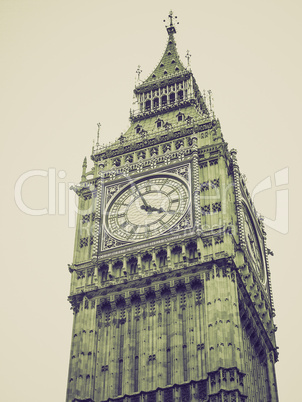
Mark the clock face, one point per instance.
(254, 248)
(147, 207)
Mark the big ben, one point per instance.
(170, 280)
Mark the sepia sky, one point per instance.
(67, 65)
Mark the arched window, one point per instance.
(148, 105)
(176, 252)
(172, 97)
(104, 271)
(180, 95)
(155, 103)
(117, 266)
(133, 265)
(164, 100)
(162, 256)
(146, 259)
(192, 247)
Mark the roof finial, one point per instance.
(98, 136)
(84, 167)
(138, 72)
(211, 103)
(171, 28)
(188, 56)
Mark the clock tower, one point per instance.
(170, 282)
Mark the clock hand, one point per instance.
(159, 210)
(146, 206)
(150, 209)
(154, 209)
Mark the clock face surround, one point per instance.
(147, 207)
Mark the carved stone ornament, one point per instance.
(110, 191)
(109, 242)
(185, 223)
(207, 242)
(182, 171)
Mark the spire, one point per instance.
(188, 56)
(84, 167)
(170, 63)
(170, 86)
(98, 135)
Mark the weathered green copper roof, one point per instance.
(170, 62)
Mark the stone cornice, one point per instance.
(146, 281)
(148, 142)
(162, 82)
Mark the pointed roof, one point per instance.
(169, 71)
(170, 63)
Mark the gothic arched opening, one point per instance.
(176, 254)
(180, 95)
(172, 97)
(146, 260)
(132, 265)
(103, 269)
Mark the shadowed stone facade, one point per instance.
(170, 282)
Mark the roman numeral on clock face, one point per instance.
(134, 229)
(165, 181)
(172, 191)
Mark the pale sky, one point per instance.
(67, 65)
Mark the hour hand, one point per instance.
(159, 210)
(149, 209)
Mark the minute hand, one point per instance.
(142, 197)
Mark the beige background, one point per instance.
(68, 64)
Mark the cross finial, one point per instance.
(188, 56)
(171, 28)
(138, 72)
(171, 17)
